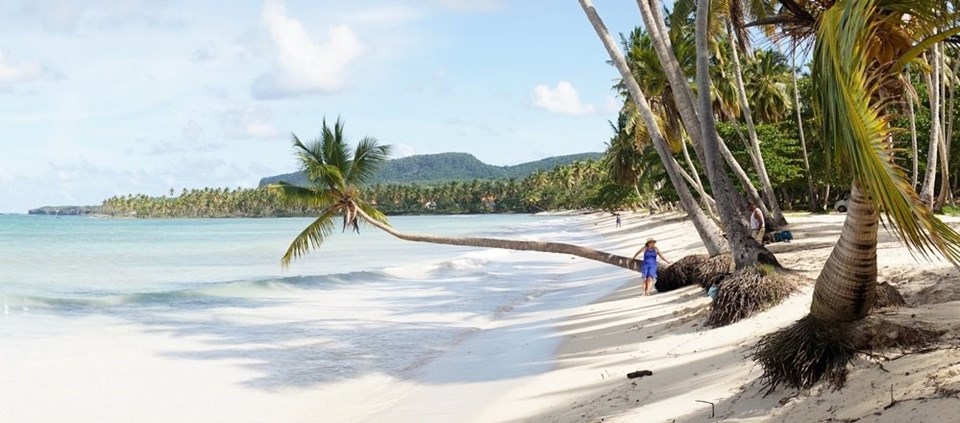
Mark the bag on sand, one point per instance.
(782, 236)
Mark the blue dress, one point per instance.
(649, 267)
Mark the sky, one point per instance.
(113, 97)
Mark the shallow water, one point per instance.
(364, 303)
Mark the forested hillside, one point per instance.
(447, 167)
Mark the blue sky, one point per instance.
(111, 97)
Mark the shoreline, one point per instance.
(624, 332)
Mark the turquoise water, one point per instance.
(370, 303)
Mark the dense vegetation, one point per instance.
(445, 167)
(580, 184)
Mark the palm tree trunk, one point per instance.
(693, 169)
(775, 213)
(946, 192)
(709, 233)
(541, 246)
(812, 204)
(683, 94)
(745, 249)
(926, 192)
(709, 204)
(745, 181)
(913, 134)
(847, 286)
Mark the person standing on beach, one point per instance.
(756, 221)
(648, 269)
(618, 219)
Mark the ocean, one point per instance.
(360, 305)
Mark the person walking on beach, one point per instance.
(756, 221)
(648, 269)
(618, 219)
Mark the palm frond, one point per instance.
(296, 195)
(336, 152)
(311, 237)
(857, 132)
(367, 159)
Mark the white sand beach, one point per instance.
(663, 333)
(554, 357)
(704, 374)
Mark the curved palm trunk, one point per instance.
(541, 246)
(710, 234)
(745, 249)
(775, 213)
(847, 285)
(683, 94)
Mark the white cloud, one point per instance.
(401, 150)
(562, 99)
(18, 72)
(469, 6)
(302, 65)
(69, 16)
(249, 122)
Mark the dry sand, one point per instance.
(704, 374)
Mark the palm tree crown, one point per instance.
(334, 172)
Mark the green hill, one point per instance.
(444, 167)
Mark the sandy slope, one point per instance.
(663, 333)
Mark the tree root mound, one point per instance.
(803, 354)
(812, 350)
(747, 292)
(680, 273)
(888, 296)
(713, 270)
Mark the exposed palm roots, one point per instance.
(812, 350)
(713, 270)
(746, 292)
(888, 296)
(679, 274)
(694, 269)
(803, 354)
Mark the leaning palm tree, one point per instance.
(861, 48)
(335, 174)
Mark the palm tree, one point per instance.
(861, 48)
(745, 250)
(709, 232)
(813, 204)
(335, 173)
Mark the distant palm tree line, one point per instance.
(581, 184)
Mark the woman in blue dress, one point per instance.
(648, 269)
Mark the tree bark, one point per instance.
(913, 134)
(812, 204)
(847, 286)
(709, 233)
(683, 94)
(775, 213)
(946, 192)
(929, 181)
(746, 251)
(541, 246)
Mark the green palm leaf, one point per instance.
(367, 159)
(857, 132)
(311, 237)
(302, 196)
